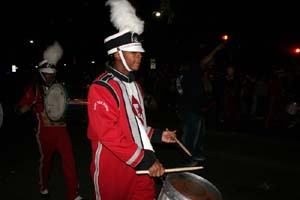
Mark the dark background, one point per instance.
(256, 29)
(250, 164)
(261, 35)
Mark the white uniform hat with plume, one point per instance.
(51, 56)
(124, 19)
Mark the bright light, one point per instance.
(297, 50)
(157, 14)
(14, 68)
(225, 37)
(31, 41)
(93, 62)
(65, 64)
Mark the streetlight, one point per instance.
(296, 50)
(225, 37)
(14, 68)
(157, 14)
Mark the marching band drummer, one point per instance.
(120, 137)
(51, 136)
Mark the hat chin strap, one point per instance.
(45, 80)
(43, 77)
(123, 60)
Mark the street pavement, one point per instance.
(243, 165)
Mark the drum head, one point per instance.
(56, 102)
(189, 186)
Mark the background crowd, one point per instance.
(237, 100)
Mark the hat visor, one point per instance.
(48, 70)
(133, 47)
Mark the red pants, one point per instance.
(114, 180)
(50, 140)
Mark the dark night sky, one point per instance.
(260, 35)
(82, 25)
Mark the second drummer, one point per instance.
(51, 136)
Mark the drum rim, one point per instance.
(174, 194)
(66, 104)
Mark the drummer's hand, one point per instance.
(156, 170)
(168, 136)
(23, 109)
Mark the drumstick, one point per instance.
(180, 169)
(78, 101)
(183, 147)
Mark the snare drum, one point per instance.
(188, 186)
(55, 102)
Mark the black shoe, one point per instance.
(80, 198)
(200, 158)
(190, 163)
(45, 194)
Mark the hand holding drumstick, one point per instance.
(170, 137)
(157, 170)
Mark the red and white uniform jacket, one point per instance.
(116, 119)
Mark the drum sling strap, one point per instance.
(36, 88)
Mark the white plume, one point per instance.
(53, 53)
(123, 16)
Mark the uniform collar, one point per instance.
(121, 76)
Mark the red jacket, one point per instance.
(112, 122)
(117, 146)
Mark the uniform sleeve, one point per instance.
(156, 135)
(104, 116)
(28, 97)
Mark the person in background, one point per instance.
(52, 136)
(232, 93)
(193, 102)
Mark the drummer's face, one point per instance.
(49, 77)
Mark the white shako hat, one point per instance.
(51, 56)
(125, 40)
(129, 27)
(46, 67)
